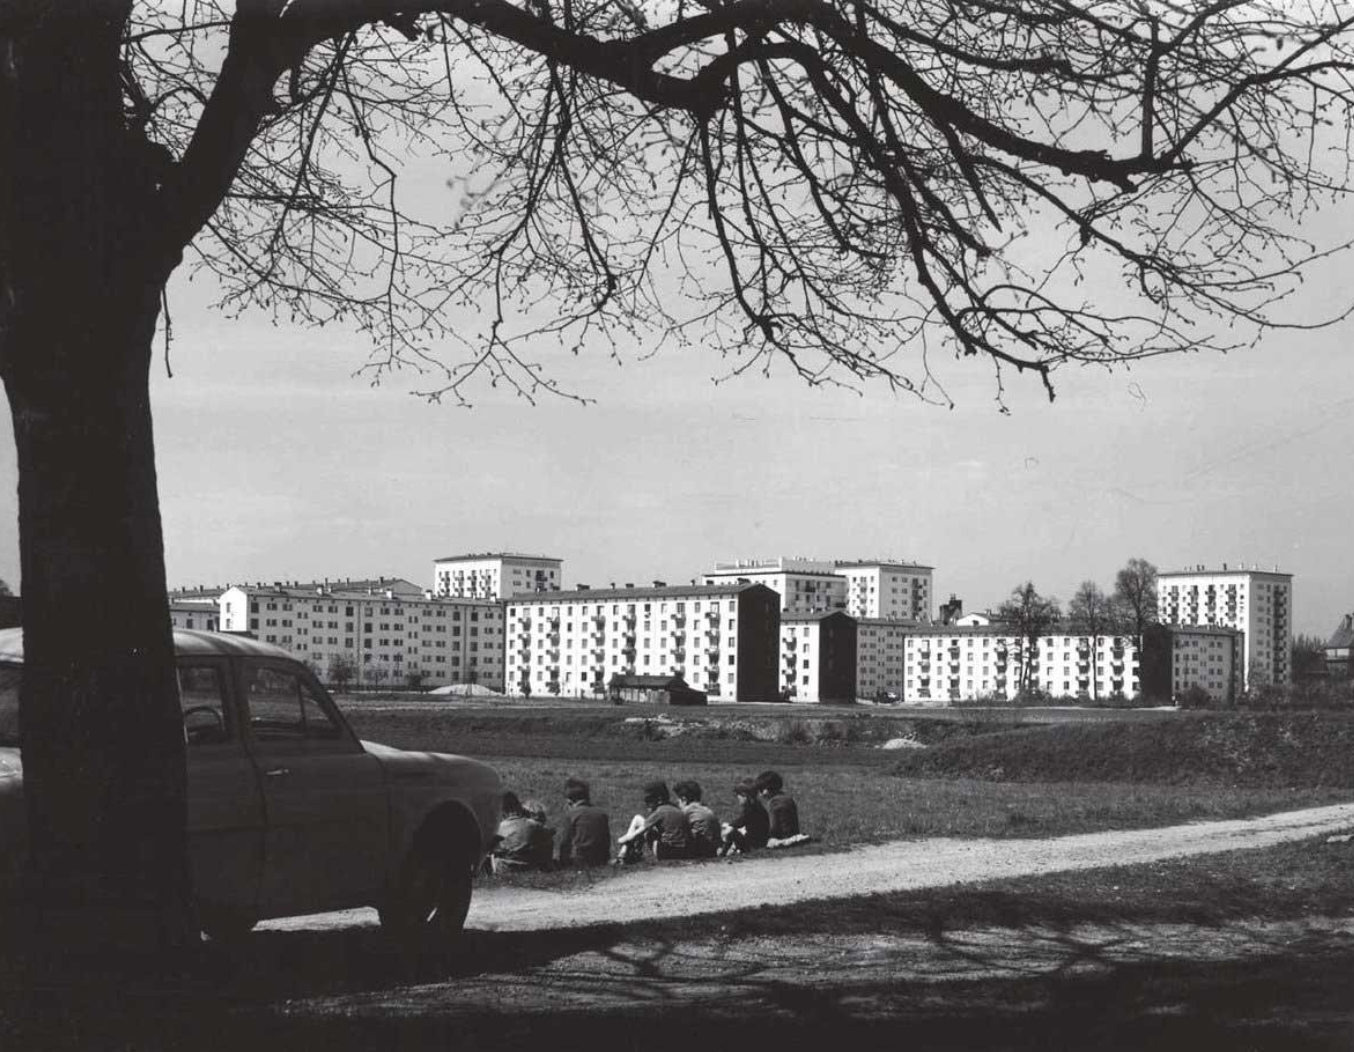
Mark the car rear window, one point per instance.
(10, 675)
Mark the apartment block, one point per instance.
(495, 575)
(1178, 659)
(881, 646)
(946, 663)
(389, 634)
(805, 586)
(887, 590)
(722, 639)
(818, 657)
(199, 615)
(1259, 603)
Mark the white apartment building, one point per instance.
(390, 635)
(881, 646)
(888, 590)
(805, 586)
(495, 575)
(944, 663)
(1257, 602)
(722, 639)
(818, 657)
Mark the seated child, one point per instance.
(524, 841)
(665, 829)
(705, 834)
(781, 810)
(587, 833)
(749, 830)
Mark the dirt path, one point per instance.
(780, 878)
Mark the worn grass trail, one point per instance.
(676, 890)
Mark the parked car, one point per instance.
(288, 811)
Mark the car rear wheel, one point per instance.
(428, 902)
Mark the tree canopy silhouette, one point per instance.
(841, 186)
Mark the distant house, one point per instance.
(1337, 649)
(654, 690)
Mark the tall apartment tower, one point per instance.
(889, 590)
(805, 586)
(1257, 602)
(495, 575)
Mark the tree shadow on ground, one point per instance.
(1024, 981)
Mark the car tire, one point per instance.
(427, 905)
(222, 924)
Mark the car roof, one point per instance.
(186, 644)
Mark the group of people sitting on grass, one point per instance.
(688, 829)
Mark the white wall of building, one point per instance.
(571, 643)
(893, 591)
(805, 586)
(495, 575)
(387, 636)
(1257, 602)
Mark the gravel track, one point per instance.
(780, 878)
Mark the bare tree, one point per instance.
(342, 671)
(839, 187)
(1135, 592)
(1091, 612)
(1033, 616)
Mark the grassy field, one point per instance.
(1256, 750)
(975, 774)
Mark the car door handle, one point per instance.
(277, 772)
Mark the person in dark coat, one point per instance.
(587, 831)
(780, 806)
(750, 829)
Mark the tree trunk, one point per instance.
(102, 738)
(80, 289)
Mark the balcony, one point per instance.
(679, 619)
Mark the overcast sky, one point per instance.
(276, 463)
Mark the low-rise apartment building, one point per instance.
(198, 615)
(945, 663)
(495, 575)
(881, 646)
(386, 634)
(1259, 603)
(722, 639)
(818, 657)
(1179, 659)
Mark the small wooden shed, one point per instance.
(654, 690)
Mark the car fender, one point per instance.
(424, 787)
